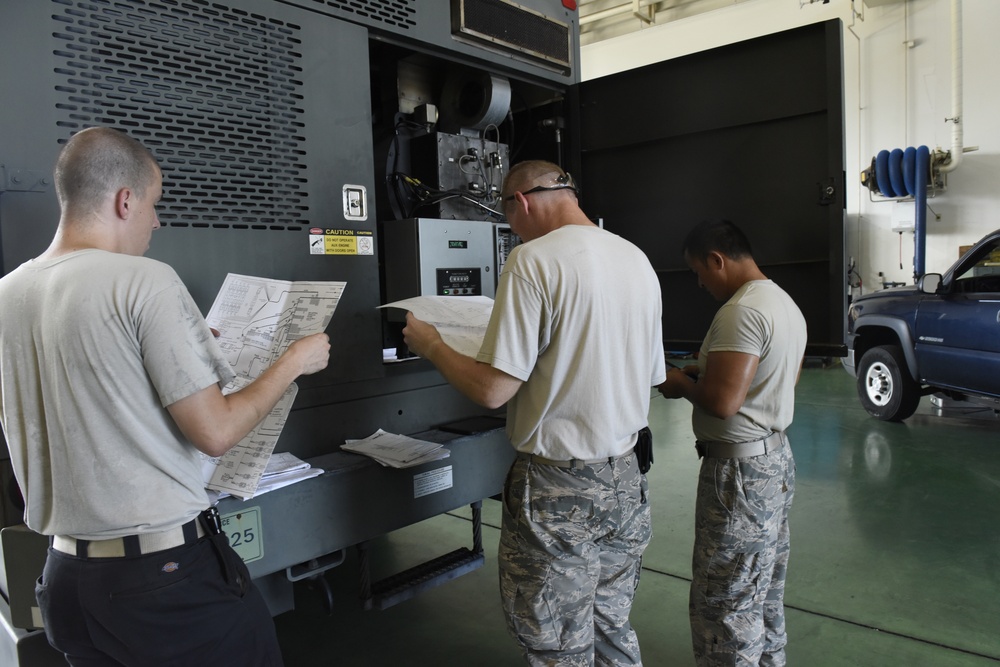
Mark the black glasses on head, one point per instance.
(543, 188)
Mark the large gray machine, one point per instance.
(287, 133)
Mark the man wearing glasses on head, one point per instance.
(572, 348)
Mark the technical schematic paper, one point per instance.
(238, 471)
(461, 320)
(257, 319)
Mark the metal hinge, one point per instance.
(24, 180)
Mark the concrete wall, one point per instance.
(897, 85)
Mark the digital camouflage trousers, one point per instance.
(570, 553)
(740, 559)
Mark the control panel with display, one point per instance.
(459, 282)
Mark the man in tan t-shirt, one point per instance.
(573, 346)
(743, 392)
(110, 393)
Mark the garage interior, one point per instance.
(894, 552)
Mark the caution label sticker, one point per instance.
(341, 242)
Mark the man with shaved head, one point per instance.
(572, 348)
(109, 393)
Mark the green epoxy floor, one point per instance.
(895, 553)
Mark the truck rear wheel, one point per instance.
(884, 385)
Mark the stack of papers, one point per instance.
(397, 451)
(281, 470)
(284, 469)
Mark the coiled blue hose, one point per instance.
(897, 171)
(900, 173)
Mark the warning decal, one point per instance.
(340, 242)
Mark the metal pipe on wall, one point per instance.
(956, 88)
(899, 174)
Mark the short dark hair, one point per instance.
(721, 236)
(97, 161)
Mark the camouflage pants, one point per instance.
(571, 547)
(740, 558)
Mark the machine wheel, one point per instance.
(884, 385)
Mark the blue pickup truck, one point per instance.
(940, 336)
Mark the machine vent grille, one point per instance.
(215, 93)
(398, 13)
(509, 27)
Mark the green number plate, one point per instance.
(245, 535)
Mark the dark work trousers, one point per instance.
(188, 606)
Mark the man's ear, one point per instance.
(522, 201)
(715, 260)
(123, 203)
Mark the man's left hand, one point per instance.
(678, 384)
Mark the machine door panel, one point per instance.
(751, 132)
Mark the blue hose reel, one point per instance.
(898, 174)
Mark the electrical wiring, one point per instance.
(485, 164)
(487, 185)
(854, 277)
(394, 185)
(461, 165)
(421, 195)
(491, 174)
(491, 186)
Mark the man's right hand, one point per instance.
(419, 336)
(311, 352)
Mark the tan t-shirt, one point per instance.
(577, 318)
(93, 346)
(761, 320)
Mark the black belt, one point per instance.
(207, 523)
(571, 463)
(739, 450)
